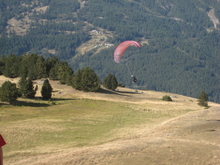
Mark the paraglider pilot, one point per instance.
(134, 80)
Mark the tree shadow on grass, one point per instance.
(53, 99)
(121, 93)
(30, 104)
(36, 102)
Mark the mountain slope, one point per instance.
(180, 39)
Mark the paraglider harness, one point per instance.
(134, 80)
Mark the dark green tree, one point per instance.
(46, 90)
(8, 91)
(2, 64)
(26, 88)
(12, 66)
(110, 82)
(50, 63)
(65, 73)
(62, 72)
(76, 83)
(203, 99)
(30, 90)
(22, 85)
(53, 74)
(86, 80)
(40, 68)
(32, 66)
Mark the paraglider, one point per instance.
(119, 51)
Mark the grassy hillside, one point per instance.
(75, 123)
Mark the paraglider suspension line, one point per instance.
(129, 69)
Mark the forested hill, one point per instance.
(180, 39)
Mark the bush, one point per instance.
(167, 98)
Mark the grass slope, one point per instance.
(123, 127)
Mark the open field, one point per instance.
(122, 127)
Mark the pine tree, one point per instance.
(22, 86)
(76, 83)
(2, 64)
(8, 91)
(30, 89)
(53, 74)
(86, 80)
(46, 90)
(11, 66)
(41, 67)
(26, 87)
(50, 63)
(64, 72)
(110, 82)
(203, 99)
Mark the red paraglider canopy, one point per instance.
(120, 49)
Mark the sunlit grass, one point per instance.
(36, 126)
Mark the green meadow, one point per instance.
(34, 126)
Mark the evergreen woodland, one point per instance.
(180, 42)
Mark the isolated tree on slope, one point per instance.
(46, 90)
(203, 99)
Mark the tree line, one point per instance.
(30, 67)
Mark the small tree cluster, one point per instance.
(110, 82)
(86, 80)
(203, 99)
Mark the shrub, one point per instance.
(167, 98)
